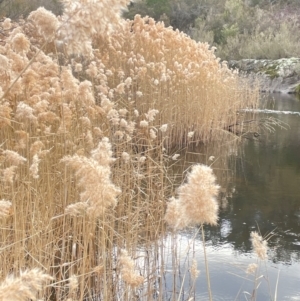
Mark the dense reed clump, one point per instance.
(86, 116)
(166, 70)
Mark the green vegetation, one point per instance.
(271, 71)
(297, 90)
(239, 29)
(258, 29)
(16, 8)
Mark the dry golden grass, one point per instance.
(86, 142)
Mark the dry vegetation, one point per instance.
(91, 109)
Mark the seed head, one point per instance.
(259, 245)
(5, 208)
(45, 21)
(196, 203)
(129, 276)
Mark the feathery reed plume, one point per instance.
(73, 284)
(93, 175)
(25, 113)
(251, 269)
(9, 174)
(99, 17)
(196, 203)
(77, 209)
(34, 167)
(151, 114)
(5, 110)
(6, 24)
(163, 128)
(174, 215)
(175, 157)
(13, 157)
(194, 271)
(46, 22)
(125, 156)
(5, 208)
(259, 245)
(24, 287)
(5, 64)
(103, 153)
(20, 43)
(144, 123)
(191, 134)
(36, 147)
(129, 276)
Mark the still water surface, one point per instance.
(265, 198)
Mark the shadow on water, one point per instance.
(263, 196)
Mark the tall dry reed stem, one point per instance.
(196, 204)
(206, 265)
(260, 248)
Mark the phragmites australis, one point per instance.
(142, 82)
(6, 25)
(13, 157)
(25, 113)
(82, 19)
(164, 128)
(194, 270)
(129, 276)
(252, 268)
(8, 174)
(45, 22)
(196, 202)
(93, 179)
(5, 109)
(259, 245)
(73, 284)
(20, 43)
(24, 287)
(34, 167)
(5, 208)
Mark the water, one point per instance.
(265, 198)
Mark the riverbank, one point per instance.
(275, 76)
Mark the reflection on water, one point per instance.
(265, 197)
(229, 280)
(268, 187)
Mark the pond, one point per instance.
(265, 198)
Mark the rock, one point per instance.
(281, 75)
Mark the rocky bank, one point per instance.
(282, 76)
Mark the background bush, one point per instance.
(260, 29)
(15, 8)
(238, 28)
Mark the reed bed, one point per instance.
(92, 108)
